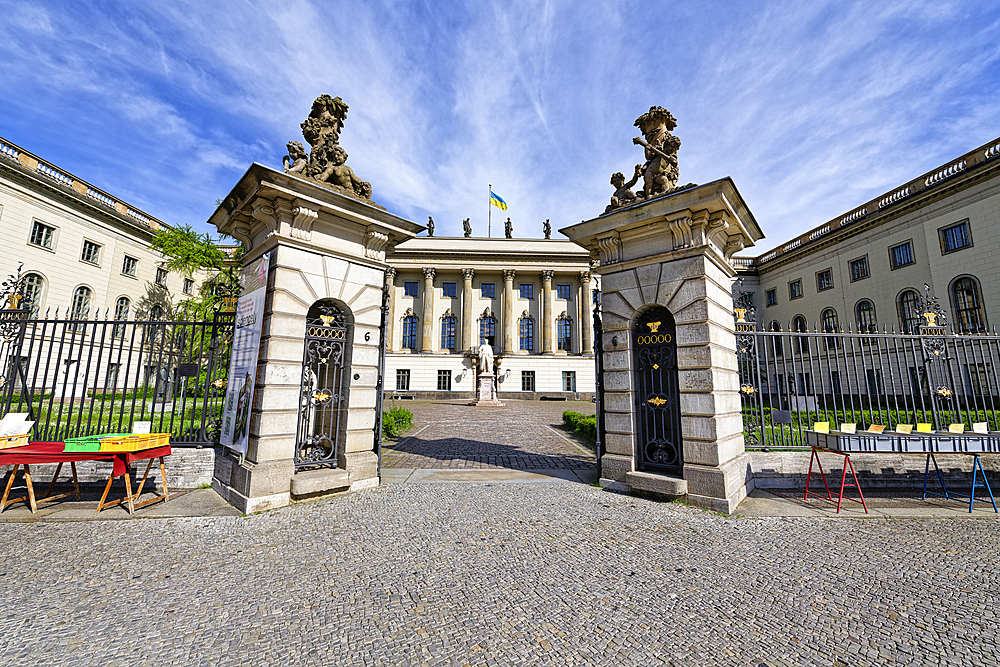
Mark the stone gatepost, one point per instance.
(673, 252)
(324, 246)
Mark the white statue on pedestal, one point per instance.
(485, 358)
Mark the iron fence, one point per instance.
(791, 377)
(78, 377)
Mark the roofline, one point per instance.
(934, 178)
(59, 180)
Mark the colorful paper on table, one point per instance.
(924, 428)
(980, 427)
(956, 428)
(904, 428)
(141, 427)
(821, 427)
(876, 428)
(849, 428)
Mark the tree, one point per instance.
(187, 252)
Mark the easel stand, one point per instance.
(843, 478)
(977, 470)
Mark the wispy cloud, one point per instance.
(812, 108)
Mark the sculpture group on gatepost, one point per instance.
(326, 163)
(660, 172)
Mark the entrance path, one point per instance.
(523, 435)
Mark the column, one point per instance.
(427, 335)
(586, 320)
(390, 280)
(468, 340)
(509, 346)
(547, 316)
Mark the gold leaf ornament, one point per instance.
(654, 326)
(657, 401)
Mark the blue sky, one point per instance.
(813, 108)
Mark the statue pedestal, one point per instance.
(486, 391)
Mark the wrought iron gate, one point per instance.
(322, 399)
(658, 412)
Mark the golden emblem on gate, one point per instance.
(326, 319)
(931, 319)
(653, 326)
(656, 367)
(320, 396)
(657, 401)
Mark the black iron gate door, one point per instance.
(658, 415)
(322, 399)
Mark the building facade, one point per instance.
(530, 299)
(868, 267)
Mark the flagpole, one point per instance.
(489, 212)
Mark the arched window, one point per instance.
(410, 332)
(865, 313)
(122, 307)
(968, 305)
(80, 308)
(526, 330)
(908, 305)
(799, 325)
(831, 325)
(488, 330)
(776, 340)
(33, 284)
(448, 332)
(156, 313)
(564, 334)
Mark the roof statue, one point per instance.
(467, 228)
(547, 229)
(430, 226)
(660, 171)
(508, 229)
(327, 161)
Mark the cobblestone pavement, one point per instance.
(522, 435)
(452, 574)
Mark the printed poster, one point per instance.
(243, 363)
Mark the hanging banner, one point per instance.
(243, 363)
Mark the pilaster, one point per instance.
(548, 316)
(468, 320)
(509, 346)
(427, 329)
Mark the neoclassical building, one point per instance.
(531, 299)
(868, 267)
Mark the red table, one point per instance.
(52, 452)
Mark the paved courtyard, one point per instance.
(522, 435)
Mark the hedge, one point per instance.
(395, 421)
(586, 425)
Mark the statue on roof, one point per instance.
(508, 228)
(660, 172)
(430, 226)
(326, 163)
(547, 229)
(467, 228)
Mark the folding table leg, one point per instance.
(31, 488)
(163, 475)
(76, 482)
(10, 483)
(128, 490)
(107, 487)
(937, 471)
(52, 484)
(857, 485)
(142, 482)
(977, 468)
(822, 475)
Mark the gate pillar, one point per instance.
(323, 246)
(673, 253)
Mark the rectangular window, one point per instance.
(41, 235)
(449, 290)
(564, 335)
(562, 292)
(859, 268)
(527, 380)
(901, 255)
(824, 280)
(804, 383)
(771, 297)
(112, 381)
(527, 290)
(129, 266)
(161, 277)
(402, 379)
(488, 290)
(410, 289)
(977, 378)
(795, 289)
(444, 380)
(448, 333)
(873, 381)
(569, 380)
(188, 286)
(526, 331)
(835, 382)
(91, 253)
(955, 237)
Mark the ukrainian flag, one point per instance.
(497, 201)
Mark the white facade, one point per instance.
(447, 294)
(942, 229)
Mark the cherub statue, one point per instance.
(338, 173)
(508, 229)
(547, 229)
(430, 226)
(660, 173)
(485, 358)
(467, 227)
(297, 160)
(623, 195)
